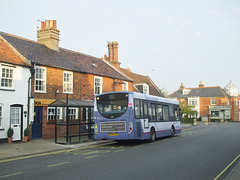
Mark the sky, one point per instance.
(172, 41)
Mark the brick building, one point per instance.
(60, 72)
(214, 102)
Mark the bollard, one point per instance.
(195, 122)
(206, 123)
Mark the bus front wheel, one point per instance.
(152, 135)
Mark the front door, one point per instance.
(16, 119)
(37, 124)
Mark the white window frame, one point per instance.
(100, 85)
(8, 79)
(145, 89)
(43, 79)
(71, 114)
(125, 86)
(59, 113)
(68, 82)
(1, 115)
(212, 101)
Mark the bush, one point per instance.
(10, 132)
(26, 132)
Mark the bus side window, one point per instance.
(171, 112)
(159, 113)
(141, 108)
(145, 110)
(149, 112)
(177, 113)
(165, 113)
(137, 109)
(153, 112)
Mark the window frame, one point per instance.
(1, 115)
(43, 79)
(54, 113)
(125, 86)
(8, 79)
(212, 103)
(66, 83)
(100, 87)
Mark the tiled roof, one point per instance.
(200, 92)
(140, 79)
(7, 55)
(65, 59)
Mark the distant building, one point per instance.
(214, 102)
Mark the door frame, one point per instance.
(21, 119)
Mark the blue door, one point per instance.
(37, 124)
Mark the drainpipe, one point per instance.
(32, 70)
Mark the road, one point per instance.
(201, 152)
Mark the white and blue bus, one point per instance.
(135, 116)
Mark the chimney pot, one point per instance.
(201, 84)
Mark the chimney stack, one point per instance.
(201, 84)
(113, 54)
(182, 86)
(49, 34)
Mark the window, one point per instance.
(215, 114)
(137, 108)
(236, 102)
(125, 86)
(7, 77)
(213, 101)
(67, 82)
(145, 89)
(72, 112)
(159, 113)
(153, 112)
(40, 79)
(165, 113)
(236, 113)
(97, 85)
(52, 113)
(193, 101)
(149, 112)
(145, 110)
(1, 116)
(171, 111)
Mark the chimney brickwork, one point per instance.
(113, 54)
(49, 34)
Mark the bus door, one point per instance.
(145, 115)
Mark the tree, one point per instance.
(186, 109)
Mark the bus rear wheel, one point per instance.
(172, 131)
(152, 135)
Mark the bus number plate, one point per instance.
(113, 134)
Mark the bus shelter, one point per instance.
(73, 121)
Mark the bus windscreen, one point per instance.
(112, 105)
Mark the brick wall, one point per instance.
(83, 89)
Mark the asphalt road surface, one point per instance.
(201, 152)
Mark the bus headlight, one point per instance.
(96, 129)
(130, 128)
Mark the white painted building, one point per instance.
(14, 77)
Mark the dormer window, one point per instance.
(142, 88)
(186, 91)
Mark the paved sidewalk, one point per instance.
(39, 146)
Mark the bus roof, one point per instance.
(145, 96)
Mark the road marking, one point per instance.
(227, 167)
(137, 146)
(58, 164)
(89, 157)
(14, 174)
(119, 150)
